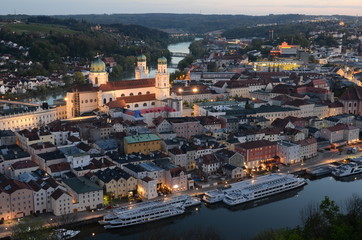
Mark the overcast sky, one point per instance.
(249, 7)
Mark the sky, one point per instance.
(248, 7)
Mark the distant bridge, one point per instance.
(172, 65)
(20, 103)
(178, 54)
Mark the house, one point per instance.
(85, 193)
(209, 164)
(143, 143)
(61, 202)
(352, 100)
(20, 201)
(288, 152)
(341, 132)
(116, 182)
(257, 152)
(230, 157)
(232, 171)
(308, 148)
(147, 188)
(7, 137)
(21, 167)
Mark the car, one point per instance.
(109, 207)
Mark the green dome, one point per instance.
(98, 66)
(141, 58)
(162, 60)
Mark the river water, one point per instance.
(239, 222)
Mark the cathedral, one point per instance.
(142, 96)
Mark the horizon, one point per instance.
(204, 7)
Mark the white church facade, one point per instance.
(143, 94)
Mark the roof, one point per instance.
(10, 186)
(108, 174)
(141, 138)
(51, 155)
(128, 84)
(306, 142)
(121, 101)
(147, 179)
(257, 144)
(82, 185)
(24, 164)
(59, 167)
(352, 94)
(58, 193)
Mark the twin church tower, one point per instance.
(137, 94)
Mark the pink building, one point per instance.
(186, 126)
(16, 199)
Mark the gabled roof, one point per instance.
(82, 185)
(58, 193)
(128, 84)
(352, 94)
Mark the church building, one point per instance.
(142, 95)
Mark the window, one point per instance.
(139, 93)
(122, 95)
(136, 105)
(145, 104)
(104, 101)
(131, 94)
(148, 92)
(153, 103)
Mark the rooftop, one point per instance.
(141, 138)
(82, 185)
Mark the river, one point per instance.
(240, 222)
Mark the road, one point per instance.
(51, 220)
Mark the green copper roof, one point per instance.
(162, 60)
(98, 66)
(82, 185)
(141, 138)
(141, 58)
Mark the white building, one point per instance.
(288, 152)
(85, 194)
(147, 188)
(61, 202)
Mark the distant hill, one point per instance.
(193, 23)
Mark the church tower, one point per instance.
(162, 80)
(98, 74)
(141, 70)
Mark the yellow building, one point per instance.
(142, 143)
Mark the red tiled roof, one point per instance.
(257, 144)
(24, 164)
(306, 142)
(128, 84)
(352, 94)
(59, 167)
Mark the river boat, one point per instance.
(347, 169)
(63, 234)
(185, 199)
(262, 187)
(143, 215)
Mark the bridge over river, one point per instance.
(178, 54)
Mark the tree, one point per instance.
(340, 150)
(32, 230)
(79, 78)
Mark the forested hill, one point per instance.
(51, 40)
(193, 23)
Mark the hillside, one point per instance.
(193, 23)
